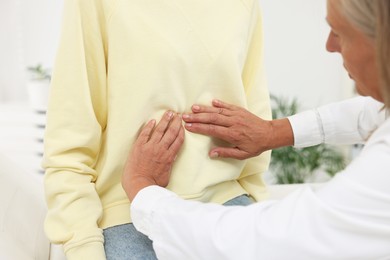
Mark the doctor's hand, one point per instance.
(248, 134)
(154, 152)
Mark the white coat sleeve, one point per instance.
(329, 225)
(349, 218)
(347, 122)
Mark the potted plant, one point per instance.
(298, 165)
(38, 87)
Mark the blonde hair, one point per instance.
(372, 17)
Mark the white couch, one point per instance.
(22, 212)
(23, 209)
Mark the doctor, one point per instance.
(349, 218)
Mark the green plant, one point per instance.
(39, 73)
(295, 165)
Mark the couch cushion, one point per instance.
(22, 212)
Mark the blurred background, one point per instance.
(297, 65)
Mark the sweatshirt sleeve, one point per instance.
(76, 120)
(258, 102)
(346, 122)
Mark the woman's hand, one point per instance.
(249, 134)
(153, 154)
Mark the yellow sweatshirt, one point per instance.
(121, 63)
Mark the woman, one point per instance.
(119, 63)
(349, 218)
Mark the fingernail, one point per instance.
(186, 116)
(169, 114)
(188, 125)
(196, 107)
(214, 155)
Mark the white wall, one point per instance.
(295, 33)
(297, 63)
(29, 31)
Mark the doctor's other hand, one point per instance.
(153, 154)
(248, 134)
